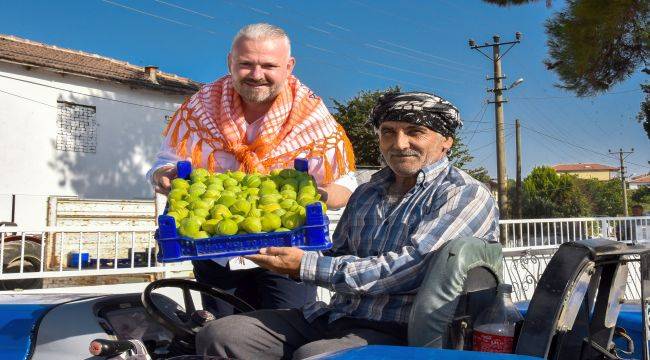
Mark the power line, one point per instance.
(566, 142)
(158, 17)
(396, 16)
(268, 14)
(185, 9)
(578, 97)
(26, 98)
(582, 147)
(426, 54)
(365, 44)
(560, 107)
(84, 94)
(490, 143)
(479, 121)
(347, 39)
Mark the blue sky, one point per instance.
(346, 46)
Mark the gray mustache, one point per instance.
(404, 153)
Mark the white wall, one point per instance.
(128, 138)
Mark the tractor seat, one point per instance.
(461, 280)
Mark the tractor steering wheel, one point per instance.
(186, 330)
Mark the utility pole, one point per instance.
(518, 192)
(498, 111)
(621, 158)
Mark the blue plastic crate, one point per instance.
(73, 259)
(314, 235)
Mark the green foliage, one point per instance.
(480, 174)
(603, 197)
(547, 194)
(640, 196)
(353, 116)
(596, 44)
(644, 113)
(459, 155)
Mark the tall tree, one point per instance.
(641, 196)
(547, 195)
(353, 116)
(596, 44)
(603, 197)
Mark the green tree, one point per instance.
(596, 44)
(353, 116)
(481, 174)
(548, 195)
(641, 196)
(603, 197)
(644, 113)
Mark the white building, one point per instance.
(639, 181)
(77, 124)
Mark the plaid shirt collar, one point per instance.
(382, 179)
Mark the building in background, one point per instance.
(639, 181)
(77, 124)
(588, 170)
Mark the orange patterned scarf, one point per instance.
(297, 123)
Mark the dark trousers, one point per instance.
(285, 334)
(261, 288)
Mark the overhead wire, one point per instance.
(158, 16)
(560, 108)
(346, 55)
(264, 13)
(485, 104)
(26, 98)
(84, 94)
(609, 156)
(576, 96)
(364, 43)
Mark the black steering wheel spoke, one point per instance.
(189, 303)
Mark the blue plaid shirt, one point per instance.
(376, 264)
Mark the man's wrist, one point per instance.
(156, 173)
(323, 194)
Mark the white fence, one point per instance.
(528, 233)
(50, 252)
(62, 251)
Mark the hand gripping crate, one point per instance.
(313, 235)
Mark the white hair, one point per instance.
(261, 31)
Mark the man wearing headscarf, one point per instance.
(409, 209)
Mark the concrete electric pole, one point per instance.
(621, 158)
(518, 190)
(498, 111)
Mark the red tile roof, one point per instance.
(60, 60)
(583, 167)
(640, 179)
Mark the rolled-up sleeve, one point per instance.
(167, 155)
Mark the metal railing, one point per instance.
(526, 233)
(51, 251)
(523, 269)
(58, 251)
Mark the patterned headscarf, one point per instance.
(417, 108)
